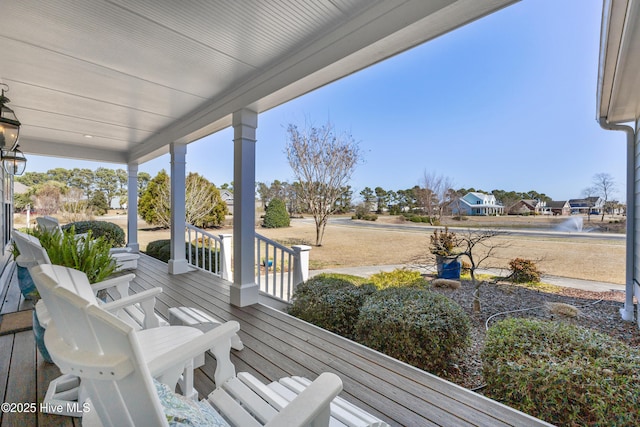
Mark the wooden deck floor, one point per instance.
(276, 345)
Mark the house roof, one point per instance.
(118, 81)
(557, 204)
(618, 92)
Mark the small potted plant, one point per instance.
(444, 244)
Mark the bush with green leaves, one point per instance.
(276, 215)
(400, 277)
(159, 249)
(88, 254)
(563, 374)
(524, 271)
(331, 302)
(98, 203)
(417, 326)
(363, 213)
(202, 257)
(110, 231)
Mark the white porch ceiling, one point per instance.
(619, 76)
(138, 75)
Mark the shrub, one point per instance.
(276, 215)
(110, 231)
(160, 249)
(524, 271)
(443, 242)
(331, 302)
(398, 277)
(206, 259)
(363, 213)
(563, 374)
(417, 326)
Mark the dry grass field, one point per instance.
(348, 246)
(351, 246)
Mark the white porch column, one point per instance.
(178, 262)
(244, 290)
(132, 207)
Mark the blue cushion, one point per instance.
(184, 412)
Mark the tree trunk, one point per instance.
(476, 297)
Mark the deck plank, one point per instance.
(21, 382)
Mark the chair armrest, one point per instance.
(121, 283)
(217, 340)
(312, 406)
(131, 299)
(124, 250)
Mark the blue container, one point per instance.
(38, 332)
(451, 270)
(27, 287)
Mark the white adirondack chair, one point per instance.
(124, 258)
(109, 357)
(137, 310)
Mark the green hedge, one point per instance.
(161, 249)
(110, 231)
(563, 374)
(417, 326)
(331, 302)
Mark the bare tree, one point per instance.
(478, 247)
(435, 194)
(75, 208)
(322, 162)
(604, 186)
(48, 198)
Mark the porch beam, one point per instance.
(178, 262)
(132, 207)
(244, 290)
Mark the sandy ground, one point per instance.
(349, 246)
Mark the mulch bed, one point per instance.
(599, 311)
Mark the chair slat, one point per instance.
(232, 410)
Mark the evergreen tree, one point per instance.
(276, 215)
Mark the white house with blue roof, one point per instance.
(477, 203)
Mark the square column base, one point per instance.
(244, 295)
(179, 266)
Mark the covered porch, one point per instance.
(276, 345)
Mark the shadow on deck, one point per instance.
(276, 345)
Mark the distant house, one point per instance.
(475, 203)
(594, 205)
(527, 207)
(227, 197)
(557, 207)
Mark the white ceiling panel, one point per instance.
(140, 74)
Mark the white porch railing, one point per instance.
(280, 269)
(209, 252)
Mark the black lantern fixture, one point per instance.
(9, 124)
(14, 162)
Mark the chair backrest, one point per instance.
(102, 350)
(48, 223)
(30, 248)
(48, 276)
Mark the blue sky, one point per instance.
(506, 102)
